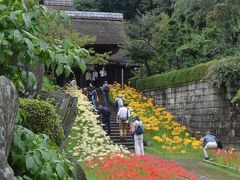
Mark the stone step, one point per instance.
(115, 135)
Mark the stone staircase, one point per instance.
(115, 135)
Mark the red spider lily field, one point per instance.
(147, 167)
(227, 158)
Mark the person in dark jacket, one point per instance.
(106, 114)
(94, 97)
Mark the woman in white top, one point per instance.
(103, 75)
(138, 135)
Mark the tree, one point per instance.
(86, 5)
(23, 43)
(193, 12)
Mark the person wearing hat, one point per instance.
(137, 129)
(105, 90)
(119, 101)
(123, 120)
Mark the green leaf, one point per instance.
(30, 163)
(45, 155)
(29, 44)
(9, 52)
(59, 70)
(81, 64)
(1, 37)
(31, 36)
(32, 80)
(27, 20)
(17, 35)
(67, 70)
(60, 170)
(2, 7)
(67, 44)
(37, 157)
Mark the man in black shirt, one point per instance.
(106, 113)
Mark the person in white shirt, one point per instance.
(123, 116)
(119, 101)
(138, 135)
(103, 75)
(94, 77)
(88, 77)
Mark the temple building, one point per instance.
(109, 31)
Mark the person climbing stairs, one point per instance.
(115, 134)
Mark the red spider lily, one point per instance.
(146, 167)
(229, 158)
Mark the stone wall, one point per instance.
(200, 106)
(8, 113)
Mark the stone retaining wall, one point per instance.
(200, 106)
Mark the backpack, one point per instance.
(219, 144)
(139, 130)
(105, 89)
(123, 118)
(116, 104)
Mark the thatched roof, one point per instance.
(105, 31)
(120, 59)
(108, 28)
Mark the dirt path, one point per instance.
(205, 171)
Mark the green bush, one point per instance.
(132, 81)
(236, 98)
(41, 117)
(34, 157)
(226, 72)
(175, 77)
(48, 85)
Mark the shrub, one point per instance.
(175, 77)
(48, 85)
(41, 117)
(226, 72)
(236, 98)
(34, 157)
(132, 81)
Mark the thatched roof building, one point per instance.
(108, 28)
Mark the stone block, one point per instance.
(66, 108)
(8, 112)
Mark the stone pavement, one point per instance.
(205, 171)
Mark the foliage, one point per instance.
(86, 5)
(88, 139)
(41, 117)
(24, 44)
(64, 32)
(48, 85)
(174, 77)
(193, 12)
(226, 72)
(236, 98)
(132, 81)
(129, 8)
(114, 166)
(34, 157)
